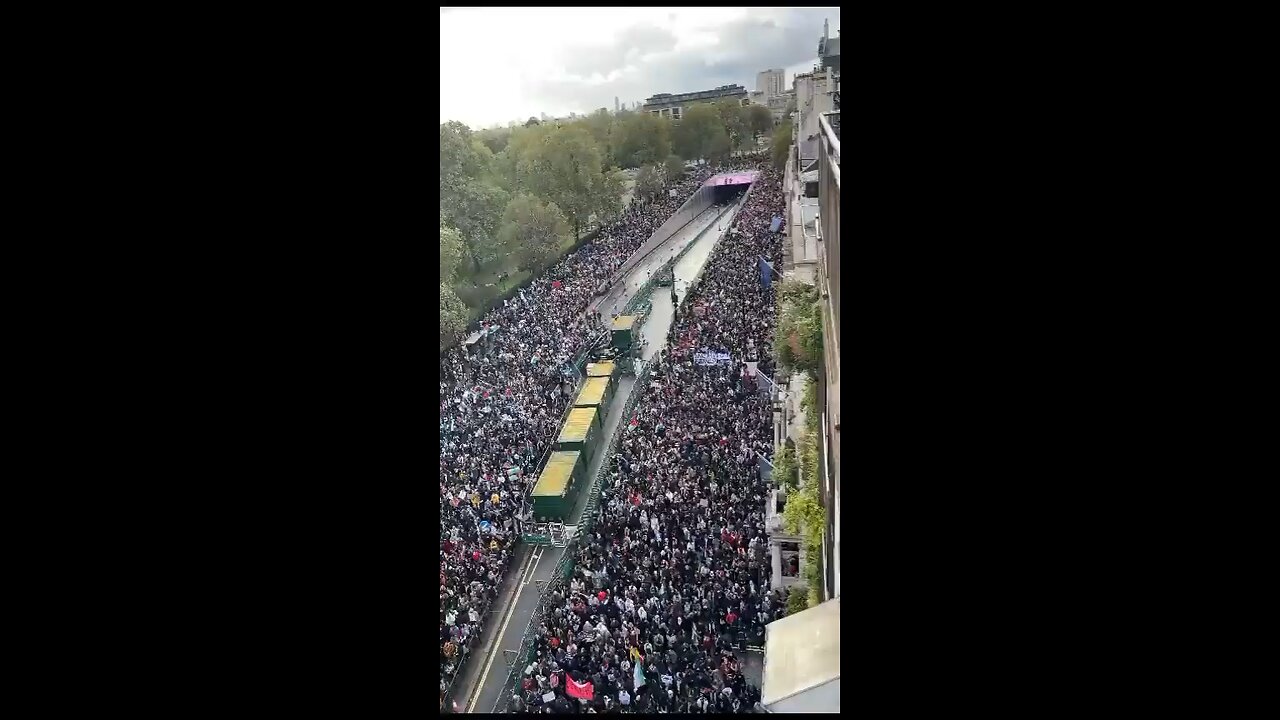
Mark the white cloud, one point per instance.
(500, 64)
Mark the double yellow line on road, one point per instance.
(526, 576)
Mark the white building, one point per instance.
(814, 96)
(771, 82)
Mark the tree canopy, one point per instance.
(648, 182)
(781, 144)
(565, 178)
(674, 168)
(758, 120)
(532, 231)
(451, 250)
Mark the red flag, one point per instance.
(579, 690)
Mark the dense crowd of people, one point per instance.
(500, 401)
(675, 574)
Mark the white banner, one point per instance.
(711, 358)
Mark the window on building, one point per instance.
(790, 559)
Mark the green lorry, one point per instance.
(581, 432)
(596, 392)
(558, 486)
(623, 333)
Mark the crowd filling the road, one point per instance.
(500, 402)
(675, 574)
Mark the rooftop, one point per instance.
(722, 91)
(555, 476)
(802, 653)
(592, 392)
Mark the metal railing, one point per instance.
(833, 144)
(524, 652)
(698, 202)
(641, 296)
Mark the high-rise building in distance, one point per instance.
(771, 82)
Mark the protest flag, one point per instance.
(582, 691)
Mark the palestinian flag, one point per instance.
(579, 690)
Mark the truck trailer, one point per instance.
(581, 432)
(558, 486)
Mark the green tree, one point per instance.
(641, 139)
(495, 139)
(648, 183)
(458, 161)
(451, 249)
(475, 208)
(600, 125)
(694, 137)
(453, 315)
(566, 170)
(673, 168)
(607, 196)
(531, 121)
(470, 201)
(733, 122)
(758, 120)
(510, 167)
(532, 231)
(781, 144)
(719, 147)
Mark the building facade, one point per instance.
(814, 96)
(674, 106)
(829, 49)
(828, 404)
(811, 186)
(771, 82)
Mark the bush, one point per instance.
(784, 468)
(798, 336)
(813, 576)
(797, 601)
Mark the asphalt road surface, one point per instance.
(512, 626)
(622, 291)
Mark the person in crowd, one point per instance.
(673, 579)
(500, 402)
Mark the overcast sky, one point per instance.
(501, 64)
